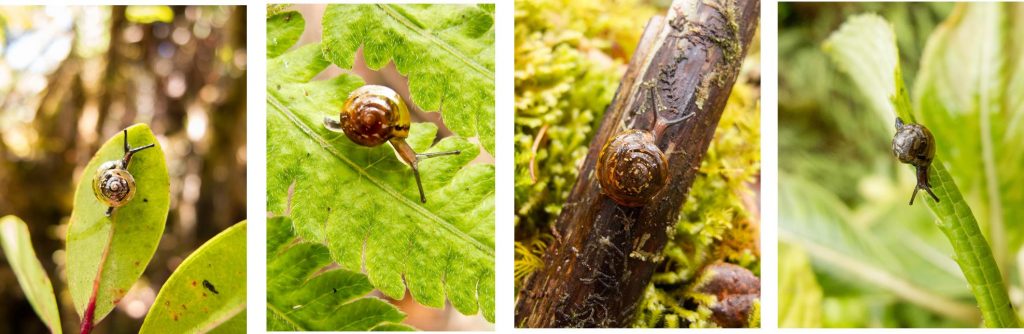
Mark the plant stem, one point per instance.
(956, 220)
(972, 251)
(90, 309)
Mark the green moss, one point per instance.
(569, 57)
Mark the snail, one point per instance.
(913, 144)
(375, 114)
(631, 168)
(113, 185)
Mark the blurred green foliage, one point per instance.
(843, 197)
(570, 56)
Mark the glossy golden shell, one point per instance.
(113, 185)
(373, 114)
(913, 144)
(631, 168)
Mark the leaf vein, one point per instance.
(448, 226)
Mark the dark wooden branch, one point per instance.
(597, 270)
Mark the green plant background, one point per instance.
(873, 260)
(569, 58)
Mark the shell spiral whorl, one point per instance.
(372, 115)
(113, 186)
(631, 168)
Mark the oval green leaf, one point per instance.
(132, 232)
(446, 51)
(14, 237)
(207, 291)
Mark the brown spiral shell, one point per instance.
(374, 114)
(631, 168)
(113, 185)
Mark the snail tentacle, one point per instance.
(113, 185)
(332, 124)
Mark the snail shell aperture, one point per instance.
(631, 169)
(913, 144)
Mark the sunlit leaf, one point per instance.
(207, 291)
(282, 33)
(362, 202)
(131, 234)
(446, 51)
(304, 295)
(35, 284)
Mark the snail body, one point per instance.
(373, 115)
(913, 144)
(631, 168)
(113, 185)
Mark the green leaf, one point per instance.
(207, 291)
(970, 92)
(814, 219)
(866, 46)
(799, 292)
(446, 51)
(131, 233)
(304, 294)
(954, 216)
(282, 33)
(35, 284)
(362, 202)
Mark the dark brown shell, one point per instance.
(373, 114)
(913, 144)
(631, 168)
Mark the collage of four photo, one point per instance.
(504, 166)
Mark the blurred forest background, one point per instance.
(70, 78)
(852, 253)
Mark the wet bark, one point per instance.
(604, 254)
